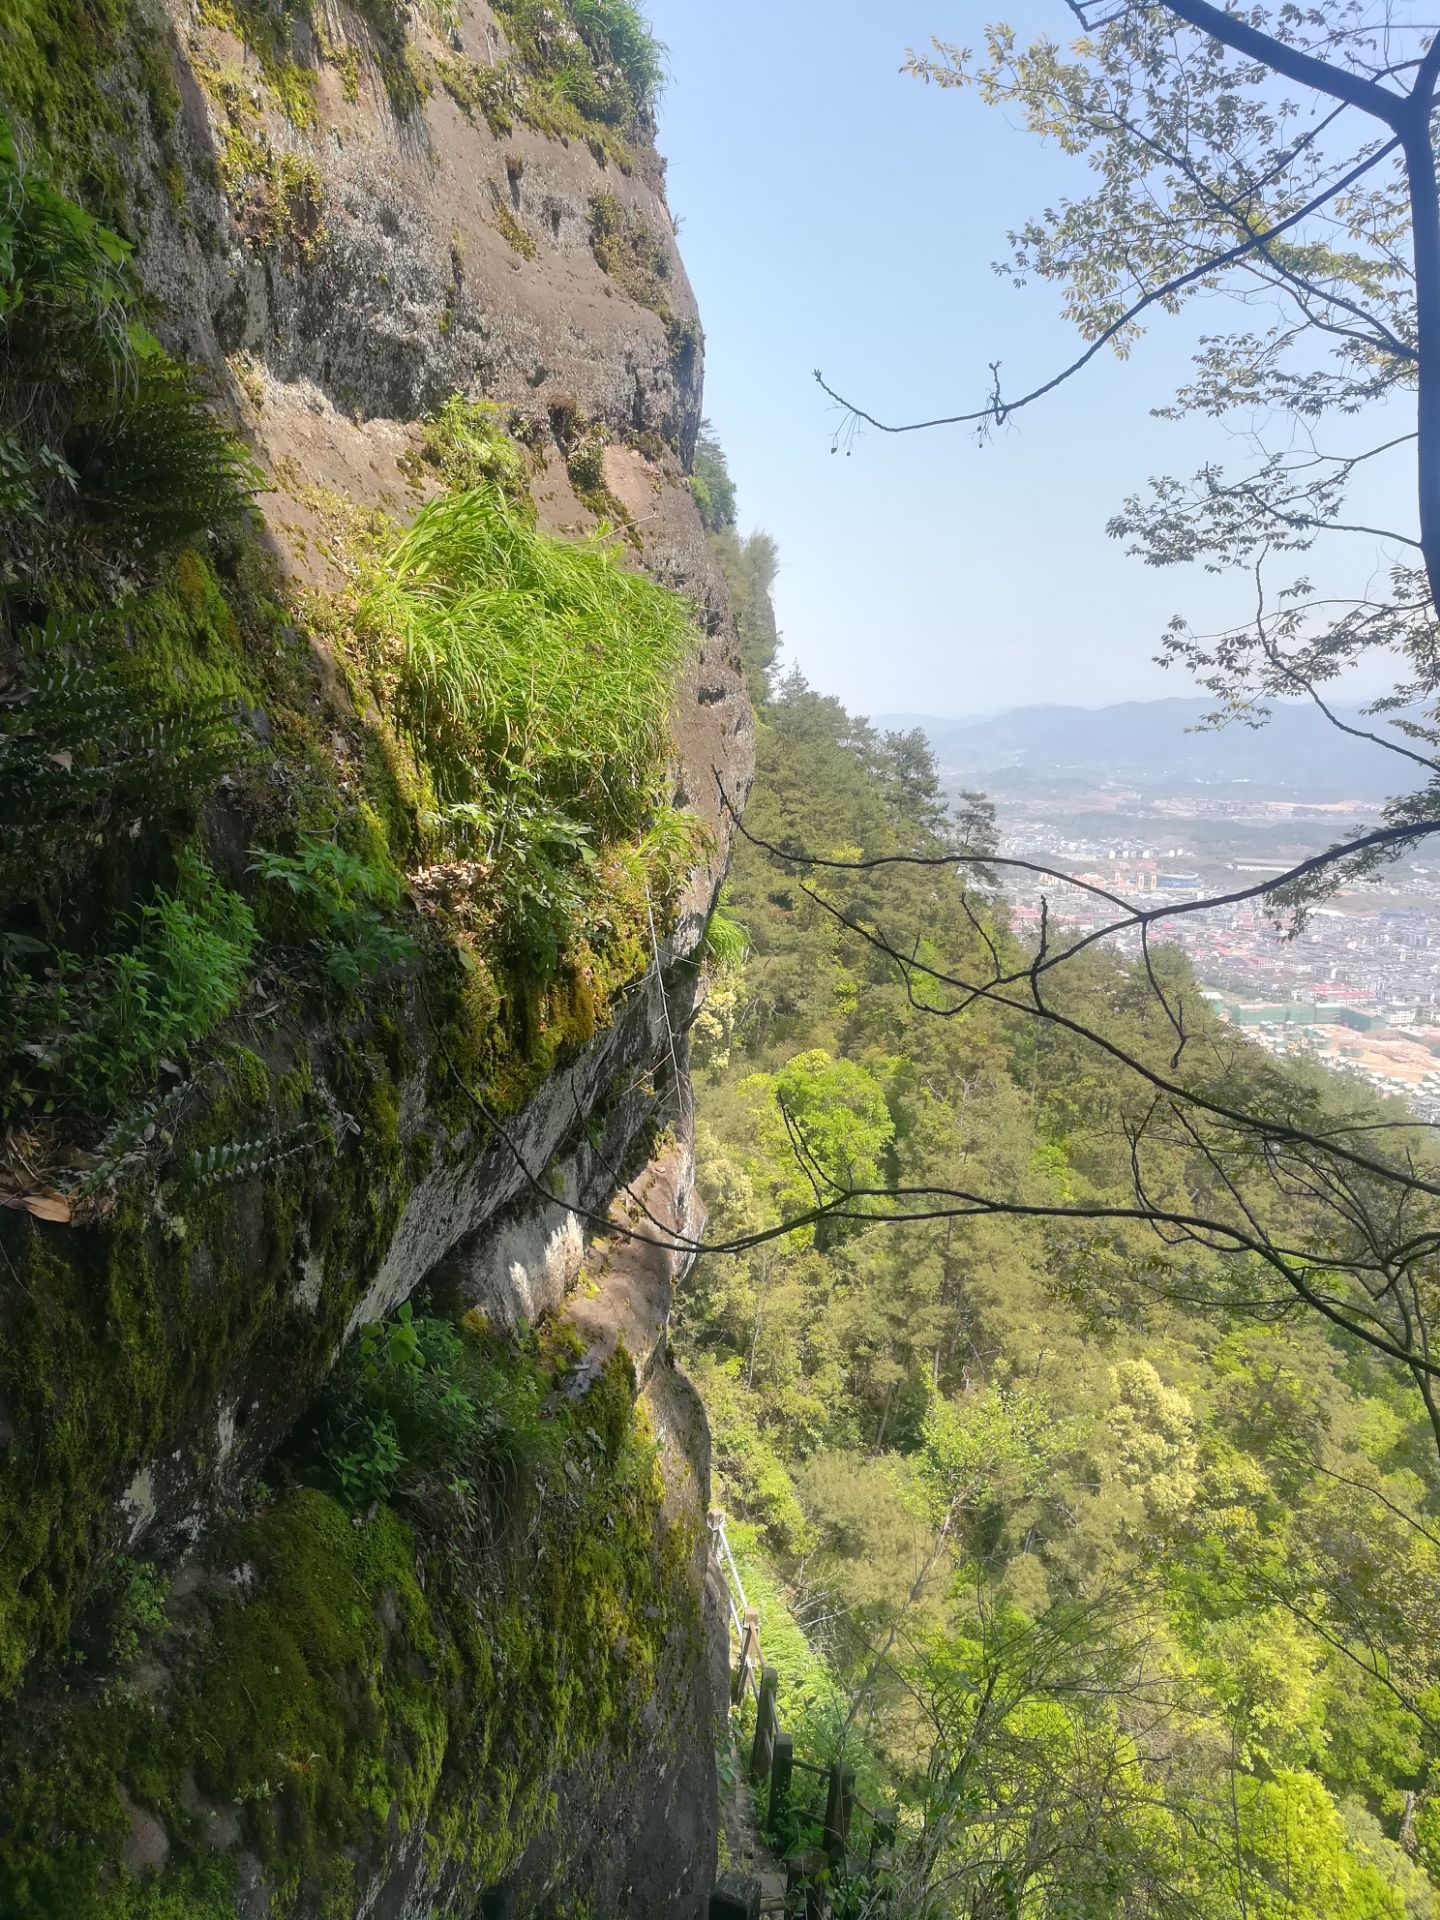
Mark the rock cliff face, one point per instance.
(351, 1511)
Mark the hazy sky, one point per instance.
(835, 213)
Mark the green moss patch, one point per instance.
(274, 34)
(637, 259)
(513, 231)
(276, 195)
(55, 59)
(346, 1676)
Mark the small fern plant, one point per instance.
(88, 747)
(344, 903)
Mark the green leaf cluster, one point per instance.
(345, 902)
(415, 1397)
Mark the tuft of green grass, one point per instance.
(727, 944)
(533, 678)
(618, 29)
(519, 662)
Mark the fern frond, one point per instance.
(159, 468)
(232, 1160)
(84, 743)
(137, 1133)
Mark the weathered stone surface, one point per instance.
(345, 349)
(736, 1897)
(331, 344)
(404, 290)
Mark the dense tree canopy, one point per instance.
(1131, 1594)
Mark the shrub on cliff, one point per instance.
(598, 55)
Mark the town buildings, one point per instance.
(1356, 984)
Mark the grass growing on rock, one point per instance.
(269, 34)
(511, 657)
(470, 443)
(532, 679)
(628, 248)
(586, 70)
(599, 56)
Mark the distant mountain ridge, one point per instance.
(1150, 744)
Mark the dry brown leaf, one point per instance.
(42, 1206)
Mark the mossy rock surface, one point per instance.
(337, 1682)
(344, 1697)
(127, 1344)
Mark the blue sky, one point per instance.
(835, 213)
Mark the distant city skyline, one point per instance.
(830, 217)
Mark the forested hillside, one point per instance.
(1121, 1578)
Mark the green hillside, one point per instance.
(1126, 1593)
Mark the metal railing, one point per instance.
(810, 1871)
(725, 1560)
(744, 1619)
